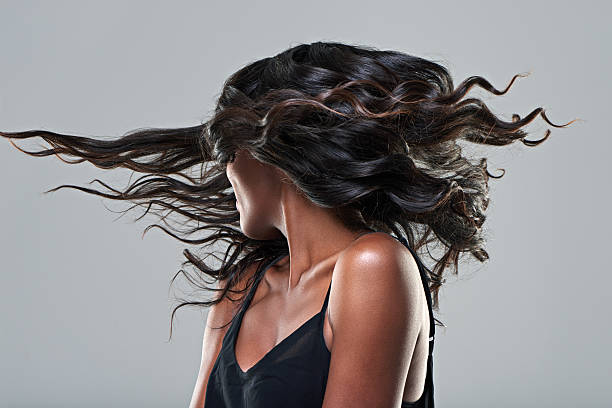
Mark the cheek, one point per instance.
(253, 185)
(242, 191)
(246, 198)
(254, 196)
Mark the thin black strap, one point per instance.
(326, 298)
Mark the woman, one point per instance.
(324, 169)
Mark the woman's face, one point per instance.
(257, 189)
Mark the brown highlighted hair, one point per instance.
(371, 133)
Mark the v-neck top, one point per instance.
(294, 372)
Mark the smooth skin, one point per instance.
(377, 322)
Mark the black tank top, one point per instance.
(294, 373)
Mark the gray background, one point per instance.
(85, 301)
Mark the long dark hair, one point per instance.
(369, 133)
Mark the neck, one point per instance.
(314, 234)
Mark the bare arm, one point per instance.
(218, 315)
(211, 345)
(375, 314)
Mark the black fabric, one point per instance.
(294, 373)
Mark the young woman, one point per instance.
(324, 169)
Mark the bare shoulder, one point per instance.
(378, 255)
(377, 270)
(375, 312)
